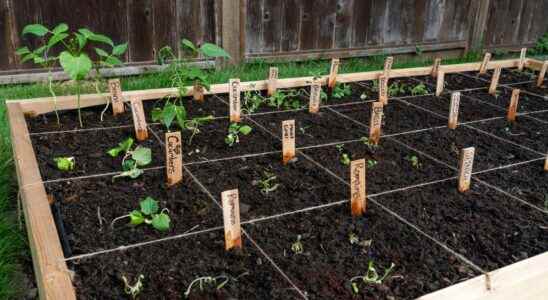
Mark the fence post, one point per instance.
(233, 12)
(479, 24)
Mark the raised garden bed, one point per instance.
(299, 238)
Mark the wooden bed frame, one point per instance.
(527, 279)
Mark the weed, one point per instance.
(371, 276)
(133, 159)
(419, 89)
(297, 247)
(344, 157)
(65, 163)
(234, 131)
(267, 184)
(133, 290)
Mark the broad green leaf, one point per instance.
(168, 114)
(82, 40)
(39, 60)
(161, 222)
(156, 114)
(27, 57)
(128, 165)
(40, 50)
(96, 37)
(22, 51)
(65, 163)
(119, 49)
(77, 67)
(101, 52)
(60, 28)
(180, 114)
(35, 29)
(136, 217)
(142, 156)
(149, 206)
(189, 45)
(55, 39)
(114, 152)
(212, 50)
(126, 144)
(230, 139)
(112, 61)
(245, 130)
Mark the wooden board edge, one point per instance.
(52, 275)
(521, 280)
(534, 64)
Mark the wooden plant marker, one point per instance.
(495, 81)
(139, 121)
(234, 99)
(333, 73)
(522, 59)
(388, 66)
(542, 73)
(231, 219)
(116, 96)
(315, 95)
(357, 187)
(465, 168)
(174, 158)
(454, 110)
(288, 140)
(383, 89)
(440, 83)
(546, 164)
(376, 122)
(272, 81)
(198, 92)
(486, 59)
(513, 107)
(436, 67)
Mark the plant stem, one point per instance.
(50, 79)
(79, 109)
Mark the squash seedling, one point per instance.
(371, 276)
(65, 163)
(133, 159)
(234, 130)
(135, 289)
(344, 156)
(150, 214)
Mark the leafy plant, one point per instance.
(234, 131)
(541, 47)
(65, 163)
(133, 290)
(297, 247)
(285, 99)
(419, 89)
(173, 110)
(149, 213)
(252, 101)
(344, 157)
(267, 184)
(396, 88)
(414, 161)
(133, 159)
(341, 90)
(371, 276)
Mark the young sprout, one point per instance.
(419, 89)
(414, 161)
(219, 282)
(64, 163)
(297, 247)
(150, 214)
(365, 140)
(344, 157)
(355, 240)
(133, 290)
(371, 163)
(371, 276)
(363, 96)
(267, 184)
(133, 159)
(253, 100)
(234, 131)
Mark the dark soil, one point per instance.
(526, 102)
(445, 144)
(506, 76)
(301, 184)
(489, 228)
(91, 115)
(398, 116)
(528, 182)
(525, 131)
(405, 86)
(386, 165)
(169, 268)
(456, 82)
(314, 129)
(329, 260)
(83, 200)
(533, 88)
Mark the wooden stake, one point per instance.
(436, 67)
(383, 89)
(358, 195)
(513, 107)
(116, 96)
(375, 123)
(388, 66)
(198, 92)
(522, 59)
(465, 168)
(231, 219)
(139, 121)
(486, 59)
(315, 96)
(440, 83)
(454, 110)
(174, 158)
(333, 73)
(546, 164)
(272, 81)
(288, 140)
(542, 73)
(495, 81)
(234, 99)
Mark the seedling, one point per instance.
(252, 101)
(285, 99)
(419, 89)
(267, 184)
(65, 163)
(149, 213)
(234, 131)
(414, 161)
(297, 247)
(371, 163)
(341, 90)
(174, 110)
(367, 142)
(363, 96)
(371, 276)
(133, 290)
(133, 159)
(218, 282)
(344, 157)
(396, 89)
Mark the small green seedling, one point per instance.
(253, 100)
(365, 140)
(297, 247)
(344, 157)
(234, 131)
(267, 184)
(355, 240)
(371, 277)
(414, 161)
(133, 159)
(363, 96)
(285, 100)
(133, 290)
(65, 163)
(341, 90)
(396, 88)
(419, 89)
(371, 163)
(150, 214)
(218, 282)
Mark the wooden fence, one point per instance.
(291, 29)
